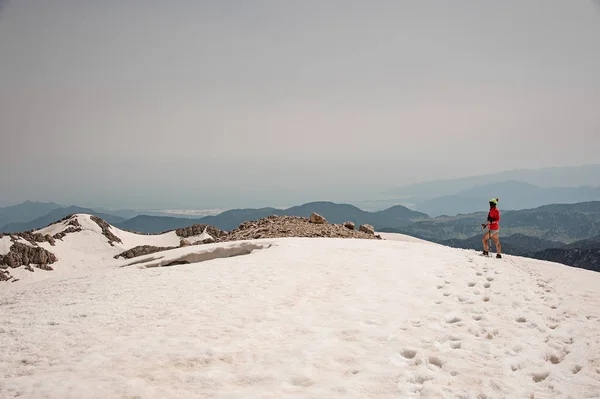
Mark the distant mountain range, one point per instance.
(25, 212)
(513, 195)
(565, 223)
(53, 216)
(398, 216)
(568, 176)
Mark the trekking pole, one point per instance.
(483, 228)
(489, 240)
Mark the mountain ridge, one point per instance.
(397, 215)
(514, 195)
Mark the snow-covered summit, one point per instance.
(306, 317)
(292, 317)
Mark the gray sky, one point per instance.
(150, 103)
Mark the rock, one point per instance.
(141, 250)
(317, 219)
(184, 243)
(290, 226)
(4, 275)
(106, 230)
(205, 241)
(349, 225)
(24, 255)
(198, 229)
(367, 228)
(70, 229)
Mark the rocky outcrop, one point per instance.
(141, 251)
(367, 229)
(317, 219)
(291, 226)
(25, 255)
(62, 234)
(30, 237)
(4, 275)
(74, 227)
(205, 241)
(349, 225)
(106, 231)
(198, 229)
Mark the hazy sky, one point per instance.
(150, 103)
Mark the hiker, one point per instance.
(492, 229)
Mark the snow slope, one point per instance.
(403, 237)
(301, 317)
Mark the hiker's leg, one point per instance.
(485, 238)
(497, 243)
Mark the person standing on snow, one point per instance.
(492, 228)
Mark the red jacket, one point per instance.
(494, 215)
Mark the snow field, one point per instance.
(309, 318)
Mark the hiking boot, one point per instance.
(485, 253)
(498, 256)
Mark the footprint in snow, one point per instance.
(540, 376)
(436, 361)
(408, 353)
(554, 359)
(455, 344)
(453, 320)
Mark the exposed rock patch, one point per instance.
(70, 229)
(25, 255)
(141, 250)
(106, 231)
(72, 222)
(204, 241)
(74, 227)
(32, 238)
(4, 275)
(197, 229)
(291, 226)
